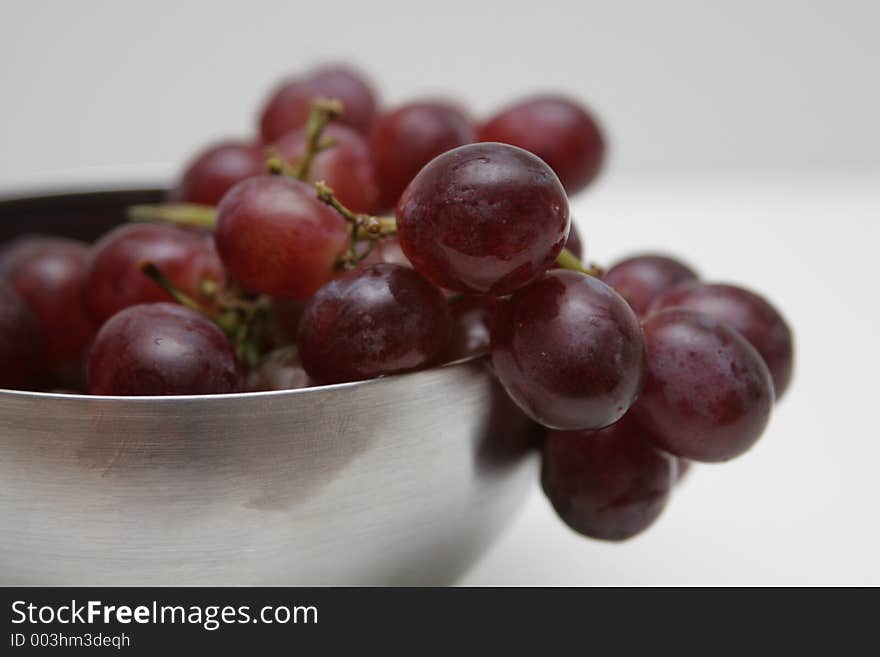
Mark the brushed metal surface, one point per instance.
(402, 480)
(389, 481)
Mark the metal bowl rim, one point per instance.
(7, 393)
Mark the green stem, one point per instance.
(190, 215)
(326, 195)
(156, 275)
(363, 226)
(276, 165)
(367, 225)
(568, 260)
(323, 111)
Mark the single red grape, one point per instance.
(708, 393)
(280, 370)
(115, 281)
(19, 340)
(346, 166)
(750, 314)
(483, 219)
(379, 320)
(406, 139)
(569, 351)
(49, 273)
(34, 245)
(642, 278)
(610, 484)
(18, 249)
(161, 349)
(291, 102)
(558, 130)
(216, 169)
(277, 238)
(470, 327)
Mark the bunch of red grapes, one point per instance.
(271, 267)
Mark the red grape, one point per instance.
(406, 139)
(379, 320)
(558, 130)
(115, 281)
(277, 238)
(33, 245)
(707, 393)
(161, 349)
(483, 219)
(470, 328)
(18, 249)
(346, 166)
(610, 484)
(280, 370)
(569, 351)
(289, 106)
(48, 273)
(750, 314)
(216, 169)
(19, 342)
(642, 278)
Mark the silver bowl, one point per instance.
(400, 480)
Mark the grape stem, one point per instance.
(159, 278)
(189, 215)
(276, 165)
(568, 260)
(242, 321)
(323, 112)
(363, 226)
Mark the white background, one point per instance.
(744, 138)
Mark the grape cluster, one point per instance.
(270, 268)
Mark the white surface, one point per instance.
(679, 83)
(802, 506)
(683, 86)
